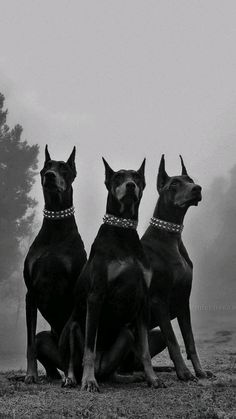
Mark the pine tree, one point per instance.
(18, 164)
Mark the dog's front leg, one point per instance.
(72, 339)
(184, 320)
(31, 321)
(145, 355)
(182, 371)
(89, 382)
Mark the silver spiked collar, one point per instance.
(166, 225)
(120, 222)
(59, 215)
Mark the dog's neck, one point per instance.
(169, 213)
(56, 205)
(114, 207)
(168, 219)
(58, 201)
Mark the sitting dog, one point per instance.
(110, 314)
(53, 263)
(172, 269)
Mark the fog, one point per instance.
(213, 237)
(128, 80)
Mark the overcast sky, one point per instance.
(123, 79)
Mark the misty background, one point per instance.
(127, 80)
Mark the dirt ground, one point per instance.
(214, 398)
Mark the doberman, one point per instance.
(172, 269)
(110, 312)
(52, 266)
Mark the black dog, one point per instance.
(112, 291)
(52, 265)
(172, 269)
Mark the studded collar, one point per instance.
(166, 225)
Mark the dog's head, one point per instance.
(57, 176)
(180, 191)
(125, 187)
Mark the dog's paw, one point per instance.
(31, 379)
(90, 385)
(68, 383)
(156, 383)
(204, 374)
(186, 375)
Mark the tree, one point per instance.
(18, 164)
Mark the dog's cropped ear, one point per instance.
(162, 176)
(108, 173)
(184, 170)
(141, 171)
(71, 161)
(47, 155)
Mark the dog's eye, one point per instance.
(174, 184)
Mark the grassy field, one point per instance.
(214, 398)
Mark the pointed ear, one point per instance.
(108, 173)
(71, 161)
(142, 168)
(184, 171)
(162, 176)
(47, 155)
(141, 171)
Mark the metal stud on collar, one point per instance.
(59, 215)
(120, 222)
(166, 225)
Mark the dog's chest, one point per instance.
(128, 266)
(49, 259)
(182, 272)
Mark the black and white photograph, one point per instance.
(118, 209)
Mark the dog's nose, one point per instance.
(197, 188)
(50, 175)
(130, 185)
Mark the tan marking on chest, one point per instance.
(116, 267)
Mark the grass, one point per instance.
(214, 398)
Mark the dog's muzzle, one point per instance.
(192, 197)
(53, 181)
(128, 190)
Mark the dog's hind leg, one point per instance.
(184, 320)
(31, 321)
(108, 362)
(157, 344)
(48, 354)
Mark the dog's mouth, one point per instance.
(193, 201)
(51, 186)
(130, 196)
